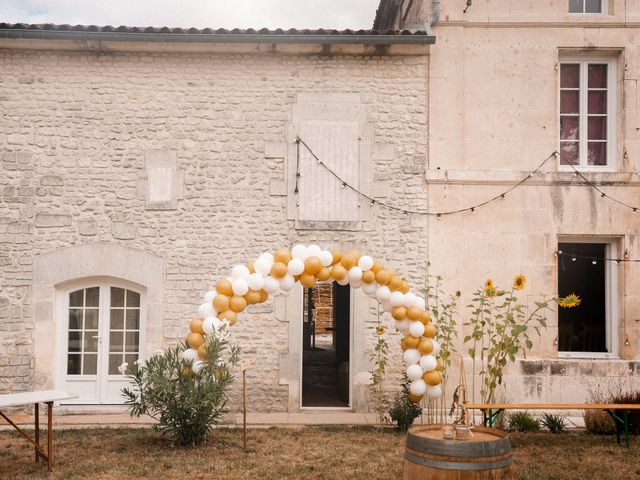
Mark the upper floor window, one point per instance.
(586, 118)
(586, 6)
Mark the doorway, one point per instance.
(326, 346)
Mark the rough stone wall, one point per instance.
(75, 129)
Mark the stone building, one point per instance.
(140, 165)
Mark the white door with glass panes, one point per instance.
(102, 329)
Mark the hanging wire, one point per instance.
(574, 256)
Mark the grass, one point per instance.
(297, 453)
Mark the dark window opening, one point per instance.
(583, 328)
(326, 340)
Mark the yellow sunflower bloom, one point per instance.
(380, 330)
(488, 283)
(489, 289)
(519, 282)
(570, 301)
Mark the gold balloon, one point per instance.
(348, 260)
(237, 303)
(425, 347)
(202, 351)
(414, 398)
(395, 282)
(223, 287)
(312, 265)
(195, 339)
(377, 266)
(252, 297)
(355, 254)
(430, 330)
(383, 277)
(230, 316)
(432, 378)
(196, 325)
(307, 280)
(263, 296)
(221, 303)
(414, 313)
(282, 255)
(399, 313)
(324, 274)
(424, 317)
(404, 288)
(337, 256)
(186, 372)
(338, 272)
(251, 266)
(278, 270)
(368, 277)
(403, 344)
(410, 341)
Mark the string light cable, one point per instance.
(594, 260)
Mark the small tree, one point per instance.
(185, 404)
(403, 411)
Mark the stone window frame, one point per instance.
(583, 5)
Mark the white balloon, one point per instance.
(383, 293)
(411, 356)
(255, 281)
(210, 325)
(397, 299)
(295, 266)
(355, 273)
(416, 329)
(434, 391)
(205, 310)
(343, 282)
(418, 387)
(262, 266)
(403, 325)
(365, 262)
(326, 258)
(299, 251)
(356, 283)
(240, 271)
(197, 366)
(370, 288)
(420, 303)
(410, 299)
(271, 285)
(436, 348)
(386, 305)
(209, 296)
(414, 372)
(428, 363)
(189, 354)
(239, 286)
(287, 283)
(267, 257)
(314, 251)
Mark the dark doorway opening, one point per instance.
(583, 328)
(326, 341)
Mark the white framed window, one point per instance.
(586, 114)
(587, 6)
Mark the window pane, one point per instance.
(131, 358)
(117, 297)
(597, 101)
(597, 128)
(75, 319)
(569, 128)
(131, 344)
(133, 299)
(116, 341)
(593, 6)
(90, 364)
(114, 363)
(91, 319)
(569, 153)
(73, 364)
(569, 101)
(93, 295)
(76, 299)
(117, 319)
(569, 75)
(597, 76)
(597, 153)
(133, 319)
(91, 341)
(576, 6)
(74, 341)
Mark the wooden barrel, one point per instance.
(485, 456)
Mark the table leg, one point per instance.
(49, 434)
(37, 424)
(626, 428)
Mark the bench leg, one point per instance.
(37, 425)
(49, 435)
(626, 428)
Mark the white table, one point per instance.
(36, 398)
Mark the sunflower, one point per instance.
(571, 300)
(380, 330)
(488, 283)
(519, 282)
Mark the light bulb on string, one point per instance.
(594, 261)
(573, 259)
(626, 341)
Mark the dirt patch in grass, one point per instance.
(330, 452)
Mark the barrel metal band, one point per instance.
(459, 465)
(459, 449)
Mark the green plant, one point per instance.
(554, 423)
(403, 411)
(599, 422)
(379, 357)
(186, 405)
(523, 422)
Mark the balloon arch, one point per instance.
(273, 273)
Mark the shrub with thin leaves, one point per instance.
(403, 411)
(186, 405)
(523, 422)
(554, 423)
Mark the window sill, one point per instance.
(588, 356)
(328, 225)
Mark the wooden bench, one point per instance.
(36, 398)
(491, 410)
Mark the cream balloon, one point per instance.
(271, 285)
(197, 366)
(436, 348)
(239, 286)
(428, 362)
(386, 305)
(314, 251)
(267, 257)
(416, 329)
(326, 258)
(255, 281)
(433, 391)
(420, 303)
(414, 372)
(418, 387)
(189, 354)
(287, 283)
(240, 271)
(403, 326)
(209, 296)
(210, 325)
(300, 251)
(206, 310)
(295, 266)
(369, 288)
(343, 282)
(356, 283)
(355, 273)
(365, 263)
(397, 299)
(383, 293)
(262, 266)
(411, 356)
(410, 299)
